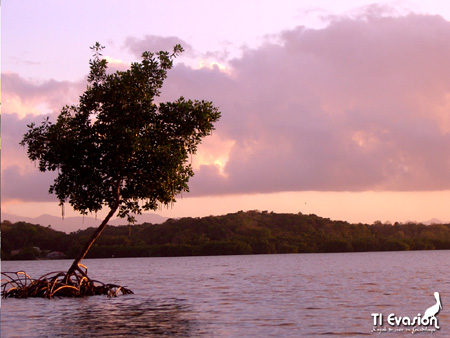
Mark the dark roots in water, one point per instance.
(57, 284)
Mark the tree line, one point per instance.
(251, 232)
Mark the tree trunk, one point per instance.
(95, 235)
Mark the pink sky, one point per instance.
(342, 110)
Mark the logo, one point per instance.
(427, 322)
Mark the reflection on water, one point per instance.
(297, 295)
(129, 317)
(98, 317)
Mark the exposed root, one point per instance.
(57, 284)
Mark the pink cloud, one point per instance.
(362, 104)
(28, 186)
(359, 105)
(154, 43)
(24, 96)
(21, 179)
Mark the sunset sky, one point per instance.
(338, 108)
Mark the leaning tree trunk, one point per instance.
(95, 235)
(49, 286)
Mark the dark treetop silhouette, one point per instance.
(117, 147)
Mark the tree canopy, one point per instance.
(118, 147)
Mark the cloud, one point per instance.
(20, 178)
(362, 104)
(25, 102)
(190, 56)
(116, 65)
(28, 186)
(23, 96)
(154, 44)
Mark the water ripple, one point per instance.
(235, 296)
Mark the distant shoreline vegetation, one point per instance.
(251, 232)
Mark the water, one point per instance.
(296, 295)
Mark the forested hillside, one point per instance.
(251, 232)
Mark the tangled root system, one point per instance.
(57, 284)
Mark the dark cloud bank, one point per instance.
(363, 104)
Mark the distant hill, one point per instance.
(251, 232)
(70, 224)
(433, 221)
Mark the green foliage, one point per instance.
(25, 238)
(117, 147)
(233, 234)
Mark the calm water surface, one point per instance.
(296, 295)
